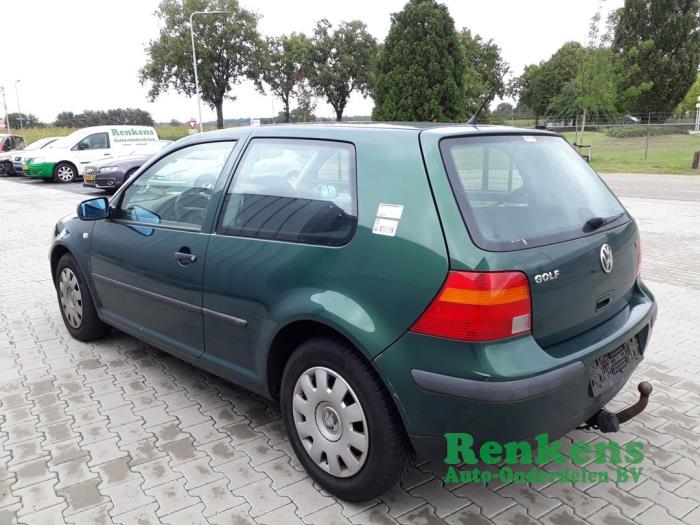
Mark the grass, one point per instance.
(667, 154)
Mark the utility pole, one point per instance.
(4, 105)
(19, 110)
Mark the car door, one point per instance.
(289, 202)
(92, 148)
(147, 258)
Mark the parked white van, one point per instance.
(67, 158)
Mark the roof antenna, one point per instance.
(474, 119)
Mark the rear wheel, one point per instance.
(64, 172)
(74, 300)
(342, 424)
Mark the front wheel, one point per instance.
(342, 424)
(64, 172)
(74, 300)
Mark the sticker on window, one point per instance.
(390, 211)
(385, 227)
(529, 138)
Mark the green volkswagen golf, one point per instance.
(387, 284)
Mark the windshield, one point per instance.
(151, 147)
(521, 191)
(41, 143)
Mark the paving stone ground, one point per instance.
(119, 432)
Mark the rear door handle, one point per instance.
(185, 258)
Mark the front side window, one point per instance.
(94, 141)
(522, 191)
(176, 190)
(294, 190)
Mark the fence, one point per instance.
(652, 143)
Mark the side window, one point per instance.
(20, 144)
(293, 190)
(176, 190)
(8, 144)
(94, 141)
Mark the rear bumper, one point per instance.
(512, 390)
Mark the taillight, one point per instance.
(479, 306)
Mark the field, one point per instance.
(667, 154)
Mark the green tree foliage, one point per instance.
(659, 43)
(483, 73)
(541, 83)
(228, 51)
(28, 120)
(124, 116)
(421, 67)
(341, 61)
(691, 98)
(284, 65)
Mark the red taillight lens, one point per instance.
(478, 306)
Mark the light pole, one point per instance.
(19, 110)
(4, 105)
(194, 59)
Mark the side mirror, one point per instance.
(82, 146)
(93, 209)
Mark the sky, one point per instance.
(72, 55)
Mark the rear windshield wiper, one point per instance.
(595, 223)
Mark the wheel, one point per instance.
(343, 426)
(75, 302)
(64, 172)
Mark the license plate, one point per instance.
(608, 368)
(25, 167)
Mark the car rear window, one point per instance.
(522, 191)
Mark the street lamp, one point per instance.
(4, 105)
(19, 110)
(194, 59)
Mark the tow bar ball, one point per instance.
(610, 422)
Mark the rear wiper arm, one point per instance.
(595, 223)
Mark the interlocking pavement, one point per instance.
(119, 432)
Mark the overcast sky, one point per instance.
(73, 55)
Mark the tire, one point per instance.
(75, 302)
(318, 419)
(64, 172)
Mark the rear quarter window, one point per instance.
(522, 191)
(297, 190)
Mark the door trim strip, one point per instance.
(174, 302)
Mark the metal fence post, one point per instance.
(646, 142)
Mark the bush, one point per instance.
(640, 130)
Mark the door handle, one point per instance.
(185, 257)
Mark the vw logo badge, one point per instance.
(606, 258)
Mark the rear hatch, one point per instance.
(534, 203)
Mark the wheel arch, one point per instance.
(58, 251)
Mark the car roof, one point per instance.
(340, 130)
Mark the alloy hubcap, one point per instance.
(65, 173)
(330, 422)
(71, 298)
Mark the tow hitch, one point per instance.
(606, 421)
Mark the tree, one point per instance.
(285, 59)
(420, 68)
(124, 116)
(341, 62)
(228, 51)
(28, 120)
(483, 72)
(540, 83)
(659, 43)
(690, 99)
